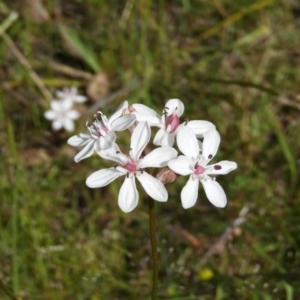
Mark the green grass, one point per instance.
(234, 63)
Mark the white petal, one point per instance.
(162, 138)
(80, 139)
(57, 124)
(73, 114)
(87, 151)
(80, 99)
(141, 108)
(151, 120)
(187, 142)
(158, 157)
(211, 144)
(221, 168)
(119, 112)
(214, 192)
(189, 193)
(102, 177)
(66, 104)
(68, 125)
(56, 105)
(153, 187)
(123, 123)
(50, 115)
(174, 106)
(114, 154)
(201, 127)
(128, 195)
(139, 140)
(182, 165)
(106, 142)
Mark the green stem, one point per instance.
(152, 225)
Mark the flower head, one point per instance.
(196, 165)
(100, 134)
(169, 122)
(132, 166)
(62, 115)
(71, 94)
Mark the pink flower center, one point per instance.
(102, 131)
(172, 122)
(131, 166)
(198, 170)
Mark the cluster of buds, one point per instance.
(198, 141)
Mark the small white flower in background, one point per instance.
(101, 134)
(132, 166)
(169, 122)
(71, 94)
(196, 165)
(62, 115)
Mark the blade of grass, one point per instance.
(74, 41)
(273, 120)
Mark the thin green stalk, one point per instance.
(152, 225)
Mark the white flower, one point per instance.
(132, 167)
(62, 115)
(71, 95)
(101, 134)
(169, 122)
(196, 165)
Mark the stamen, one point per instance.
(217, 167)
(186, 121)
(115, 166)
(141, 170)
(127, 175)
(210, 156)
(118, 152)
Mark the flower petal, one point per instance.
(151, 120)
(187, 142)
(211, 144)
(182, 165)
(128, 195)
(114, 154)
(87, 151)
(72, 114)
(139, 140)
(221, 168)
(80, 139)
(143, 109)
(57, 124)
(158, 158)
(66, 104)
(119, 112)
(200, 127)
(50, 115)
(123, 123)
(68, 125)
(174, 106)
(162, 138)
(153, 187)
(79, 98)
(106, 142)
(56, 105)
(214, 192)
(103, 177)
(189, 193)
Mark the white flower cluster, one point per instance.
(101, 136)
(62, 113)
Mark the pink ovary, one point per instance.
(199, 170)
(131, 166)
(102, 131)
(173, 122)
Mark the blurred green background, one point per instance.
(234, 63)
